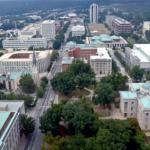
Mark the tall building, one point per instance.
(146, 27)
(48, 29)
(93, 13)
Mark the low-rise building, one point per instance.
(78, 30)
(101, 63)
(146, 27)
(98, 58)
(24, 44)
(135, 103)
(118, 25)
(9, 124)
(66, 62)
(22, 61)
(139, 55)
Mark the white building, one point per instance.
(94, 13)
(22, 61)
(146, 27)
(139, 55)
(48, 30)
(135, 103)
(78, 30)
(101, 63)
(9, 124)
(24, 44)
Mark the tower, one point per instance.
(93, 13)
(35, 73)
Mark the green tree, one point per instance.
(27, 124)
(137, 73)
(117, 80)
(40, 92)
(50, 120)
(104, 93)
(57, 44)
(27, 83)
(80, 117)
(54, 55)
(148, 76)
(64, 83)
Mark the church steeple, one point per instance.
(34, 58)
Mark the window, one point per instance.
(147, 114)
(131, 108)
(125, 114)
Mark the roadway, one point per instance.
(36, 139)
(119, 65)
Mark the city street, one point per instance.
(35, 141)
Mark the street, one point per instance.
(36, 139)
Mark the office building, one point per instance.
(98, 58)
(48, 30)
(78, 30)
(94, 10)
(22, 61)
(101, 63)
(9, 124)
(146, 27)
(118, 25)
(135, 103)
(24, 44)
(139, 55)
(66, 62)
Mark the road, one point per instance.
(35, 141)
(119, 65)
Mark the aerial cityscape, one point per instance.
(74, 75)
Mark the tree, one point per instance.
(137, 73)
(117, 81)
(57, 44)
(148, 76)
(27, 124)
(49, 121)
(104, 93)
(40, 92)
(27, 83)
(83, 74)
(54, 55)
(80, 117)
(64, 83)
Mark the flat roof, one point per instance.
(18, 55)
(128, 95)
(102, 53)
(67, 60)
(135, 86)
(3, 118)
(145, 101)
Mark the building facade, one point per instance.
(48, 30)
(24, 44)
(10, 126)
(78, 30)
(135, 103)
(118, 25)
(94, 10)
(101, 63)
(22, 61)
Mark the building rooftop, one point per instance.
(145, 101)
(48, 22)
(142, 52)
(67, 60)
(3, 118)
(23, 55)
(101, 54)
(78, 28)
(135, 86)
(128, 95)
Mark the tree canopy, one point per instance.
(27, 83)
(137, 73)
